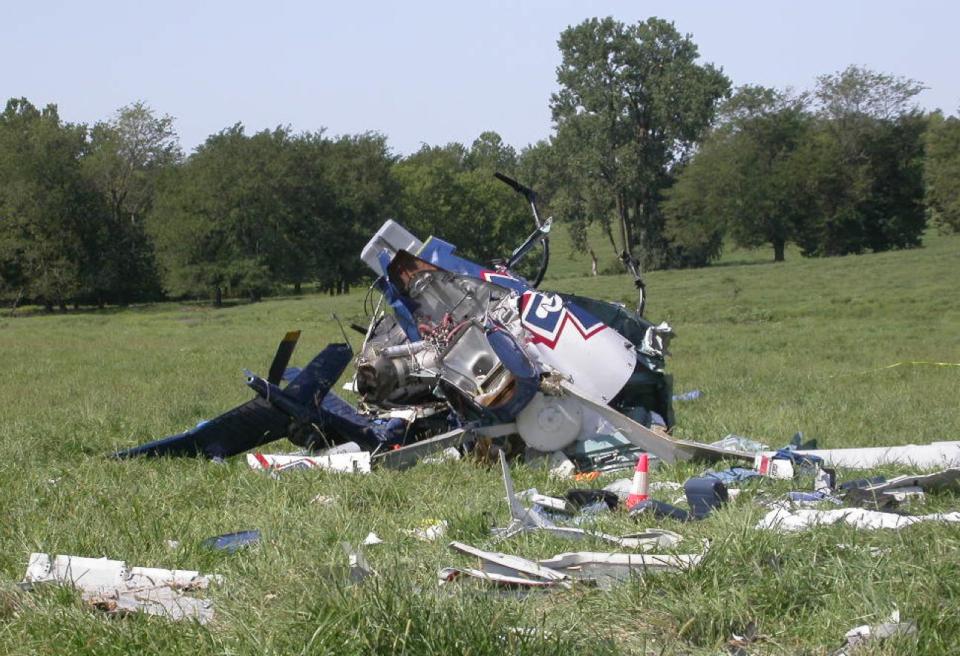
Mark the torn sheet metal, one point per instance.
(881, 494)
(785, 520)
(511, 565)
(523, 519)
(589, 564)
(110, 585)
(351, 463)
(937, 455)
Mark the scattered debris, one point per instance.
(621, 487)
(523, 519)
(659, 510)
(434, 531)
(563, 569)
(592, 565)
(881, 493)
(499, 563)
(740, 443)
(232, 542)
(586, 499)
(812, 498)
(451, 574)
(861, 635)
(732, 475)
(704, 495)
(359, 567)
(354, 463)
(111, 586)
(737, 644)
(603, 453)
(557, 462)
(372, 538)
(324, 500)
(785, 520)
(692, 395)
(780, 468)
(450, 454)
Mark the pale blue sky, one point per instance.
(419, 72)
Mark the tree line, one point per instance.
(649, 142)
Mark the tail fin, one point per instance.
(282, 358)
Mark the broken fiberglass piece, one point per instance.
(111, 585)
(785, 520)
(923, 456)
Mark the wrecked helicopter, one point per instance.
(456, 352)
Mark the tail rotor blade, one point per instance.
(282, 358)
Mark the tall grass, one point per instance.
(775, 348)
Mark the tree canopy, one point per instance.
(647, 142)
(633, 102)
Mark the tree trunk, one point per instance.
(218, 297)
(16, 302)
(296, 287)
(778, 247)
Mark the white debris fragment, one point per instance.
(449, 454)
(112, 586)
(922, 456)
(372, 538)
(323, 500)
(429, 533)
(866, 633)
(785, 520)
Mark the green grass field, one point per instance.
(775, 348)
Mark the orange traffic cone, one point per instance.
(638, 492)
